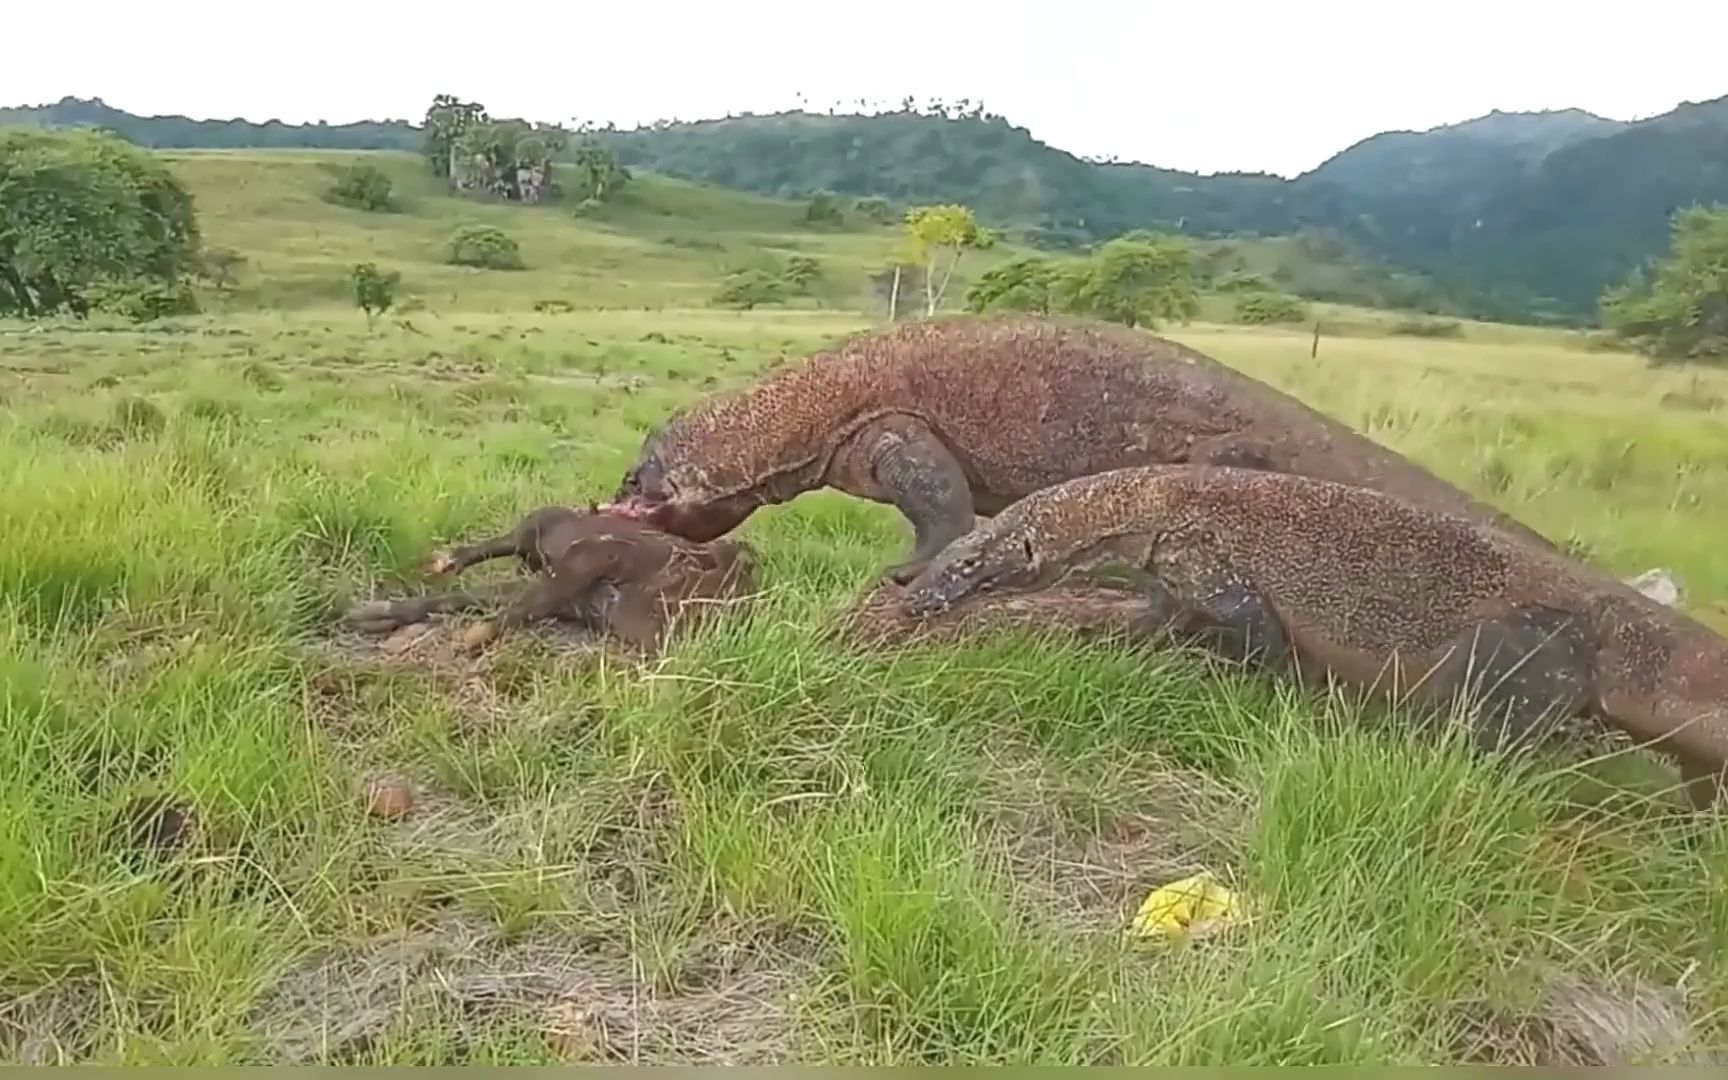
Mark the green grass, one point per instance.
(763, 846)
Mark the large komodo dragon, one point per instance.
(608, 574)
(1405, 601)
(948, 418)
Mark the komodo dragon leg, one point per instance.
(900, 460)
(1216, 608)
(1517, 676)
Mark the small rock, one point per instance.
(478, 636)
(574, 1033)
(389, 796)
(1659, 585)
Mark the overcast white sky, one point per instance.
(1276, 86)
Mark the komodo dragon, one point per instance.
(610, 574)
(1338, 581)
(947, 418)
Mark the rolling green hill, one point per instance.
(666, 242)
(663, 243)
(1511, 215)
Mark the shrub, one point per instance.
(374, 291)
(1429, 328)
(873, 208)
(1241, 281)
(485, 247)
(1257, 308)
(144, 299)
(823, 210)
(361, 187)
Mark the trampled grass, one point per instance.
(764, 846)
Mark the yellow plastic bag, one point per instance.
(1194, 906)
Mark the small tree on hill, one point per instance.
(937, 231)
(1683, 313)
(485, 247)
(801, 273)
(745, 289)
(598, 175)
(823, 210)
(1137, 279)
(374, 291)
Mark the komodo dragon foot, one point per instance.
(1517, 677)
(1216, 609)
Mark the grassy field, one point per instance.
(763, 846)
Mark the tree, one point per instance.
(934, 230)
(483, 246)
(801, 273)
(1683, 313)
(745, 289)
(1136, 279)
(83, 210)
(447, 120)
(361, 187)
(509, 159)
(598, 174)
(374, 291)
(1025, 284)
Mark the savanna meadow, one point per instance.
(235, 830)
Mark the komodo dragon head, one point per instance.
(669, 489)
(993, 556)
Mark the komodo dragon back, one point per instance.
(1022, 402)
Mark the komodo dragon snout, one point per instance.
(977, 562)
(677, 500)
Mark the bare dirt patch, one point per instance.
(586, 1000)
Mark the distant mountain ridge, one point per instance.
(1520, 215)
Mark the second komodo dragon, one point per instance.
(1332, 580)
(955, 417)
